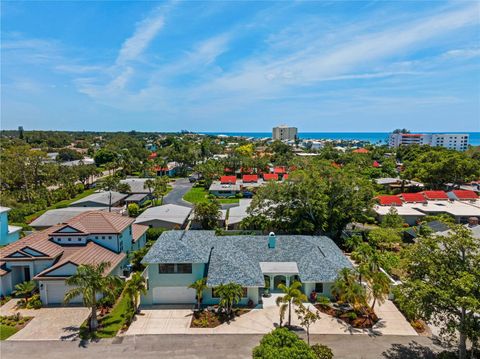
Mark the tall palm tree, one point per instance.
(89, 281)
(293, 295)
(199, 285)
(230, 294)
(135, 286)
(25, 289)
(380, 287)
(110, 183)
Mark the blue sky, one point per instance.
(241, 66)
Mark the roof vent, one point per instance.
(271, 240)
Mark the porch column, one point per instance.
(287, 280)
(272, 285)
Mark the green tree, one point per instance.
(347, 289)
(112, 183)
(230, 294)
(322, 351)
(292, 296)
(199, 285)
(283, 344)
(207, 213)
(210, 170)
(379, 287)
(392, 219)
(104, 156)
(133, 209)
(89, 281)
(307, 318)
(158, 187)
(25, 289)
(68, 154)
(135, 286)
(444, 274)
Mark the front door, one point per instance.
(26, 274)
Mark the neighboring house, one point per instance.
(397, 183)
(219, 189)
(237, 214)
(52, 255)
(170, 216)
(170, 170)
(101, 199)
(137, 185)
(137, 198)
(178, 258)
(61, 215)
(8, 233)
(462, 195)
(139, 236)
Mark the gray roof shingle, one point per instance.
(237, 258)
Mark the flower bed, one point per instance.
(211, 319)
(361, 321)
(11, 324)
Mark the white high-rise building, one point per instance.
(453, 141)
(284, 132)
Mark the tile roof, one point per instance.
(102, 198)
(464, 194)
(237, 258)
(138, 230)
(280, 170)
(92, 253)
(101, 222)
(228, 179)
(61, 215)
(389, 200)
(249, 178)
(361, 150)
(270, 177)
(413, 197)
(285, 176)
(435, 195)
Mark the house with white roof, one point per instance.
(101, 199)
(8, 233)
(170, 216)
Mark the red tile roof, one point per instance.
(246, 170)
(137, 231)
(336, 165)
(270, 177)
(92, 253)
(152, 155)
(465, 194)
(250, 178)
(361, 150)
(413, 197)
(389, 200)
(228, 179)
(285, 176)
(435, 195)
(279, 170)
(376, 164)
(228, 170)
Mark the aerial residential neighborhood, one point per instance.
(218, 179)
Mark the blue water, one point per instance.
(372, 137)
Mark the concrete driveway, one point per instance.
(52, 323)
(162, 319)
(175, 196)
(172, 320)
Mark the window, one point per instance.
(109, 237)
(178, 268)
(103, 237)
(79, 239)
(96, 237)
(69, 239)
(319, 287)
(166, 268)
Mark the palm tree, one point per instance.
(347, 289)
(230, 294)
(293, 295)
(25, 289)
(134, 287)
(112, 183)
(199, 285)
(380, 287)
(88, 282)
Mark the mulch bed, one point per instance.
(361, 321)
(209, 319)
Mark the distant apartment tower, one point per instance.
(284, 132)
(451, 141)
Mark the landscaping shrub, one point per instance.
(154, 233)
(133, 209)
(34, 302)
(322, 351)
(283, 344)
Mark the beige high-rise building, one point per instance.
(284, 132)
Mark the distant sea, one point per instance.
(372, 137)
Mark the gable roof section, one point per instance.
(101, 222)
(279, 170)
(270, 177)
(413, 197)
(389, 200)
(137, 231)
(92, 254)
(435, 195)
(71, 229)
(250, 178)
(462, 194)
(102, 198)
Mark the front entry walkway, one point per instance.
(164, 320)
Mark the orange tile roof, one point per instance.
(270, 177)
(100, 222)
(92, 253)
(361, 150)
(138, 230)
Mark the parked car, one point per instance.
(247, 194)
(192, 179)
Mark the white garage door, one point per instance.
(56, 292)
(173, 295)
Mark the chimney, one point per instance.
(272, 239)
(472, 221)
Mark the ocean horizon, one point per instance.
(372, 137)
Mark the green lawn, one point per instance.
(111, 323)
(199, 194)
(7, 331)
(60, 204)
